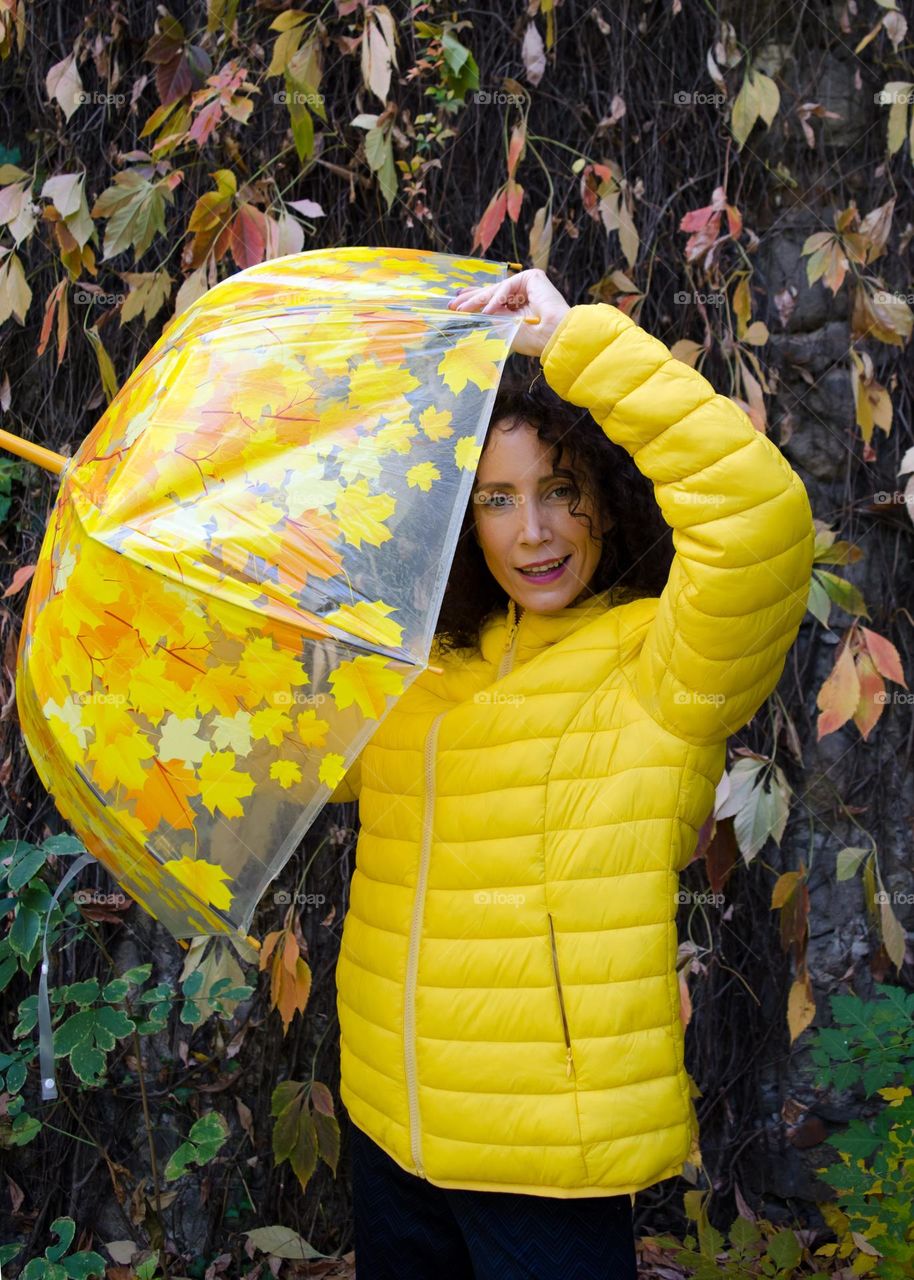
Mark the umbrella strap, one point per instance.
(45, 1034)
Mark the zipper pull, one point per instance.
(568, 1063)
(512, 625)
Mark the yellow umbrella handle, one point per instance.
(46, 458)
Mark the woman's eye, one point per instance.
(562, 489)
(497, 500)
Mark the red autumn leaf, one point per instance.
(487, 227)
(885, 656)
(696, 218)
(839, 695)
(515, 199)
(872, 695)
(20, 578)
(516, 147)
(248, 236)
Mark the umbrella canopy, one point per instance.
(245, 564)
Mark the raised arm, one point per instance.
(742, 526)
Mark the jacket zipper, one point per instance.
(569, 1060)
(412, 961)
(507, 657)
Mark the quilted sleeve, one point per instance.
(349, 786)
(742, 526)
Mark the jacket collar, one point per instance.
(537, 631)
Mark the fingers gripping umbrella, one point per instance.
(244, 567)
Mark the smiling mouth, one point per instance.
(546, 571)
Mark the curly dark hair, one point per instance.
(636, 555)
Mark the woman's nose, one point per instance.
(534, 522)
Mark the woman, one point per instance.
(511, 1047)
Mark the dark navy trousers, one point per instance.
(408, 1229)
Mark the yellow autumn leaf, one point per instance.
(396, 437)
(264, 666)
(368, 620)
(436, 423)
(285, 772)
(222, 786)
(467, 453)
(366, 681)
(422, 475)
(372, 383)
(119, 749)
(360, 514)
(332, 768)
(311, 730)
(271, 723)
(472, 359)
(204, 880)
(801, 1006)
(894, 1094)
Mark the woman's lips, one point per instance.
(551, 575)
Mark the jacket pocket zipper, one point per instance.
(569, 1060)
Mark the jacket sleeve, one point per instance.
(349, 786)
(742, 526)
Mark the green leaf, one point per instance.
(25, 867)
(65, 1230)
(843, 593)
(88, 1063)
(784, 1249)
(86, 1263)
(83, 993)
(77, 1028)
(818, 603)
(24, 933)
(63, 843)
(849, 862)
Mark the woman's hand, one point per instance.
(528, 293)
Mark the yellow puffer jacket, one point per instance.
(507, 995)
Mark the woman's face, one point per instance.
(521, 517)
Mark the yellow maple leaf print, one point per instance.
(312, 732)
(332, 768)
(436, 423)
(271, 723)
(204, 880)
(366, 681)
(467, 453)
(472, 359)
(285, 772)
(222, 785)
(368, 621)
(422, 474)
(372, 383)
(264, 666)
(361, 514)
